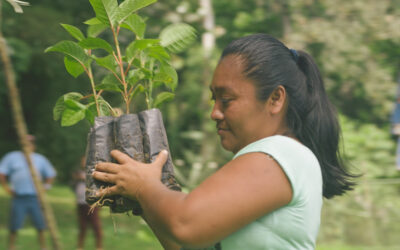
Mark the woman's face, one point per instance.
(241, 118)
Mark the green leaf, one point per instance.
(73, 104)
(91, 109)
(161, 77)
(107, 62)
(96, 43)
(105, 10)
(96, 29)
(109, 87)
(163, 97)
(73, 67)
(138, 89)
(73, 31)
(158, 52)
(177, 37)
(136, 24)
(145, 43)
(147, 73)
(73, 96)
(135, 76)
(91, 98)
(74, 111)
(131, 51)
(90, 112)
(104, 107)
(172, 80)
(60, 105)
(111, 79)
(136, 63)
(58, 108)
(127, 7)
(71, 49)
(72, 116)
(136, 46)
(93, 21)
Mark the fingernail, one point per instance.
(164, 152)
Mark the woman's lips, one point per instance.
(222, 130)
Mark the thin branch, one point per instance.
(121, 67)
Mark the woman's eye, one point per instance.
(225, 101)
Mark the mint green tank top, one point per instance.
(296, 225)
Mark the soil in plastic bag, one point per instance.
(141, 137)
(100, 143)
(155, 140)
(128, 140)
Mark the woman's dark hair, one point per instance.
(310, 115)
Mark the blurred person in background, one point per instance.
(16, 179)
(396, 126)
(85, 215)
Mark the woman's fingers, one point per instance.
(161, 159)
(107, 191)
(129, 175)
(107, 167)
(124, 158)
(120, 157)
(106, 177)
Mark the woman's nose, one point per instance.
(216, 113)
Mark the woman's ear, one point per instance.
(277, 100)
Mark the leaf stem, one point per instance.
(128, 67)
(147, 98)
(151, 83)
(90, 74)
(121, 67)
(111, 109)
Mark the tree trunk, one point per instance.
(22, 133)
(208, 145)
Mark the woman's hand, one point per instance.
(129, 175)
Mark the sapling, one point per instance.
(143, 66)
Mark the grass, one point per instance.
(121, 232)
(130, 231)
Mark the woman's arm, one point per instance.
(166, 242)
(243, 190)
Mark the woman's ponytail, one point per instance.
(320, 130)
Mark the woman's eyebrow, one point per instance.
(218, 89)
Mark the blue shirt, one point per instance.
(15, 167)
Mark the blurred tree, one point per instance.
(21, 128)
(369, 214)
(41, 82)
(348, 39)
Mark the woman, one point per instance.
(272, 111)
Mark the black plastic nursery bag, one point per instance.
(141, 136)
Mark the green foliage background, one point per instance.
(356, 44)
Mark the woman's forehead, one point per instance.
(229, 74)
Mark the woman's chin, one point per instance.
(227, 146)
